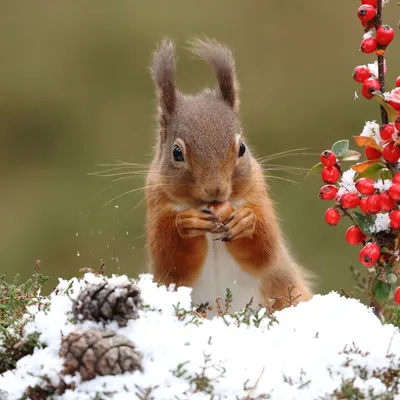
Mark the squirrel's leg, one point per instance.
(177, 244)
(284, 285)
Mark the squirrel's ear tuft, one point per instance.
(163, 73)
(220, 58)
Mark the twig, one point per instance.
(253, 388)
(381, 62)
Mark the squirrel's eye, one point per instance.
(177, 153)
(242, 149)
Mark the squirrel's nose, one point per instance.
(213, 192)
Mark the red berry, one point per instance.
(384, 35)
(363, 205)
(386, 202)
(349, 200)
(386, 131)
(328, 158)
(396, 178)
(328, 192)
(366, 13)
(372, 154)
(394, 191)
(368, 45)
(361, 73)
(397, 296)
(373, 3)
(391, 153)
(332, 216)
(330, 175)
(354, 235)
(398, 81)
(365, 186)
(369, 254)
(373, 204)
(369, 86)
(395, 219)
(397, 123)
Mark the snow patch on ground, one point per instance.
(306, 354)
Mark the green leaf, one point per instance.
(381, 291)
(315, 169)
(351, 155)
(371, 172)
(340, 148)
(365, 223)
(386, 174)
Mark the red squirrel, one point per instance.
(201, 166)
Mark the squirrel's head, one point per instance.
(201, 154)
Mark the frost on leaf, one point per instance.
(94, 353)
(104, 301)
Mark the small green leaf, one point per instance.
(386, 174)
(351, 155)
(315, 169)
(371, 172)
(365, 223)
(392, 278)
(340, 148)
(381, 291)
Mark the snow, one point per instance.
(371, 128)
(382, 222)
(374, 68)
(383, 186)
(305, 354)
(347, 183)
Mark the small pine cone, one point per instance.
(103, 302)
(93, 353)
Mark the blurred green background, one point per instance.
(75, 92)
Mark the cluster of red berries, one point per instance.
(370, 199)
(384, 34)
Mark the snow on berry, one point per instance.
(383, 186)
(371, 129)
(382, 222)
(347, 184)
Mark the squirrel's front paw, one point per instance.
(240, 224)
(192, 222)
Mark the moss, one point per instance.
(14, 300)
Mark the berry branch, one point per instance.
(381, 62)
(368, 192)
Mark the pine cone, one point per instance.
(103, 302)
(93, 353)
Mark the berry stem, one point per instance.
(381, 62)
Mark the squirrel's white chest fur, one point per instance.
(221, 271)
